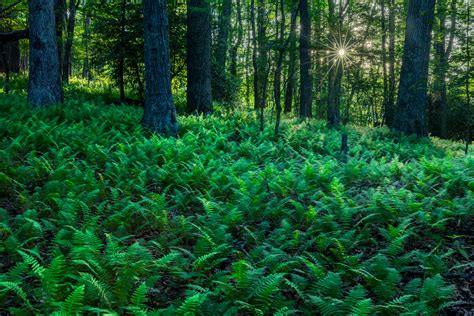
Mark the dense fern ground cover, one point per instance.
(97, 216)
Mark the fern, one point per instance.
(74, 302)
(17, 289)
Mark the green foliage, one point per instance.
(96, 217)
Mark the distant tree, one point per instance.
(71, 24)
(160, 113)
(219, 79)
(290, 85)
(410, 116)
(199, 93)
(44, 87)
(305, 62)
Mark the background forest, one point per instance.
(236, 157)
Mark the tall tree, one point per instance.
(239, 29)
(121, 59)
(290, 85)
(44, 86)
(71, 24)
(219, 71)
(306, 85)
(443, 45)
(159, 113)
(391, 61)
(198, 36)
(410, 116)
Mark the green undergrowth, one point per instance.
(98, 216)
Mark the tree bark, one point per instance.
(256, 96)
(159, 113)
(235, 48)
(411, 117)
(59, 13)
(44, 86)
(306, 92)
(290, 85)
(335, 73)
(69, 41)
(220, 75)
(391, 69)
(442, 54)
(199, 57)
(121, 61)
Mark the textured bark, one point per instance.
(306, 92)
(223, 37)
(240, 34)
(256, 96)
(277, 77)
(121, 61)
(69, 41)
(59, 14)
(335, 73)
(391, 70)
(198, 38)
(442, 54)
(159, 113)
(411, 117)
(262, 59)
(387, 106)
(44, 86)
(10, 56)
(290, 85)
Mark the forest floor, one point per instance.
(98, 216)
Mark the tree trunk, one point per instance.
(306, 92)
(59, 13)
(290, 85)
(387, 108)
(121, 61)
(220, 76)
(277, 78)
(235, 48)
(159, 113)
(256, 96)
(69, 41)
(199, 57)
(410, 117)
(85, 67)
(391, 71)
(442, 54)
(335, 73)
(44, 86)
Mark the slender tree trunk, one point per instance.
(262, 60)
(410, 116)
(86, 39)
(389, 114)
(6, 65)
(290, 85)
(69, 41)
(121, 61)
(277, 78)
(306, 92)
(442, 54)
(44, 86)
(468, 76)
(220, 69)
(335, 73)
(199, 57)
(256, 96)
(159, 113)
(387, 109)
(235, 48)
(59, 14)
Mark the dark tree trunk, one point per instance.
(85, 66)
(306, 92)
(290, 85)
(59, 13)
(235, 48)
(410, 116)
(6, 66)
(199, 57)
(442, 54)
(159, 113)
(121, 61)
(387, 109)
(69, 41)
(391, 71)
(277, 77)
(262, 60)
(219, 72)
(256, 96)
(44, 86)
(335, 73)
